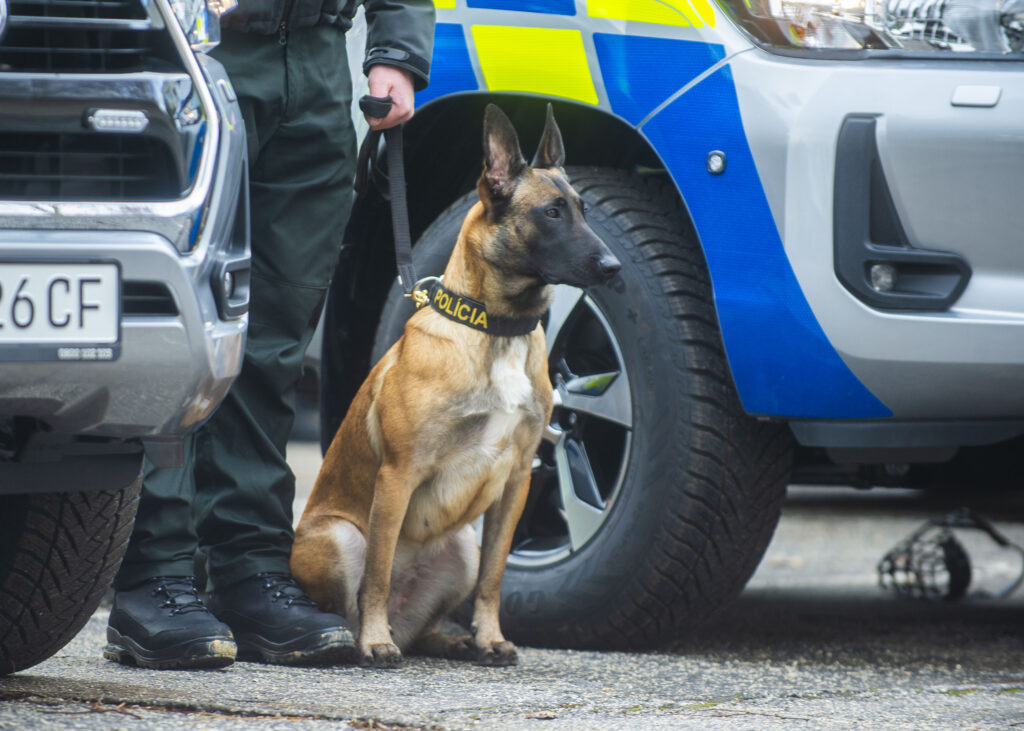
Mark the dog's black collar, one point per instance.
(474, 314)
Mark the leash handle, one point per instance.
(379, 107)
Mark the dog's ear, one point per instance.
(550, 151)
(503, 160)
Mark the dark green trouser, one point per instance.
(234, 496)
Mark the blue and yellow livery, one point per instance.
(817, 209)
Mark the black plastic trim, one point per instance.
(867, 231)
(66, 463)
(235, 260)
(235, 304)
(147, 299)
(903, 434)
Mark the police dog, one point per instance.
(446, 425)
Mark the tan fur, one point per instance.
(445, 427)
(443, 430)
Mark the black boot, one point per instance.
(275, 622)
(162, 624)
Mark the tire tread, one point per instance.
(67, 549)
(733, 469)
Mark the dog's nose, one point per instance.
(608, 265)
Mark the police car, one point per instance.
(817, 208)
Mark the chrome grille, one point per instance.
(70, 9)
(86, 167)
(83, 36)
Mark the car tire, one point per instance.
(688, 486)
(58, 555)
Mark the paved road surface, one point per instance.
(811, 644)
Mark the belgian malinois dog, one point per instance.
(446, 425)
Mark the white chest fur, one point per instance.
(473, 470)
(509, 385)
(508, 391)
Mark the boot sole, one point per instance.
(322, 647)
(197, 654)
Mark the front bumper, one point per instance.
(954, 173)
(173, 369)
(800, 343)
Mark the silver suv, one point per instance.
(124, 284)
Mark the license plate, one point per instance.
(57, 311)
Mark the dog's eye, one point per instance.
(552, 213)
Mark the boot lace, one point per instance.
(283, 586)
(176, 588)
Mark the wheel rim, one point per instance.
(581, 464)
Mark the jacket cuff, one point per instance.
(417, 66)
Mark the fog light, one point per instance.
(883, 277)
(716, 162)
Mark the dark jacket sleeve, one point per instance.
(400, 33)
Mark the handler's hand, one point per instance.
(391, 81)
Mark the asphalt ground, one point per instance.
(812, 643)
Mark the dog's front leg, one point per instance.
(390, 502)
(499, 525)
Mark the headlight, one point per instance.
(965, 26)
(200, 20)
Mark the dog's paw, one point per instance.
(383, 655)
(500, 654)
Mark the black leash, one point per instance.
(378, 108)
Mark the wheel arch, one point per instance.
(437, 175)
